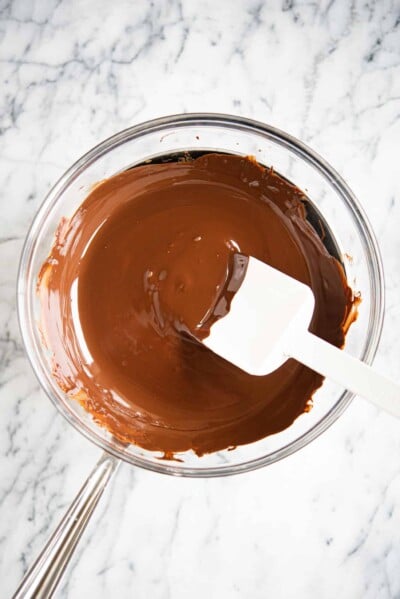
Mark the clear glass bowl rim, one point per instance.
(158, 125)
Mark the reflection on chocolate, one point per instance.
(140, 262)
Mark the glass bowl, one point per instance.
(329, 194)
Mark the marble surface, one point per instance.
(323, 523)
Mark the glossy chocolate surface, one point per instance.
(141, 261)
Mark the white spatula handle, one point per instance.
(354, 375)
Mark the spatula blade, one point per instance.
(266, 311)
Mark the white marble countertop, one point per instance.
(323, 523)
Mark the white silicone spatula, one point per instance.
(268, 323)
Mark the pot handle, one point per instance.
(42, 578)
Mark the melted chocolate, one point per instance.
(142, 261)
